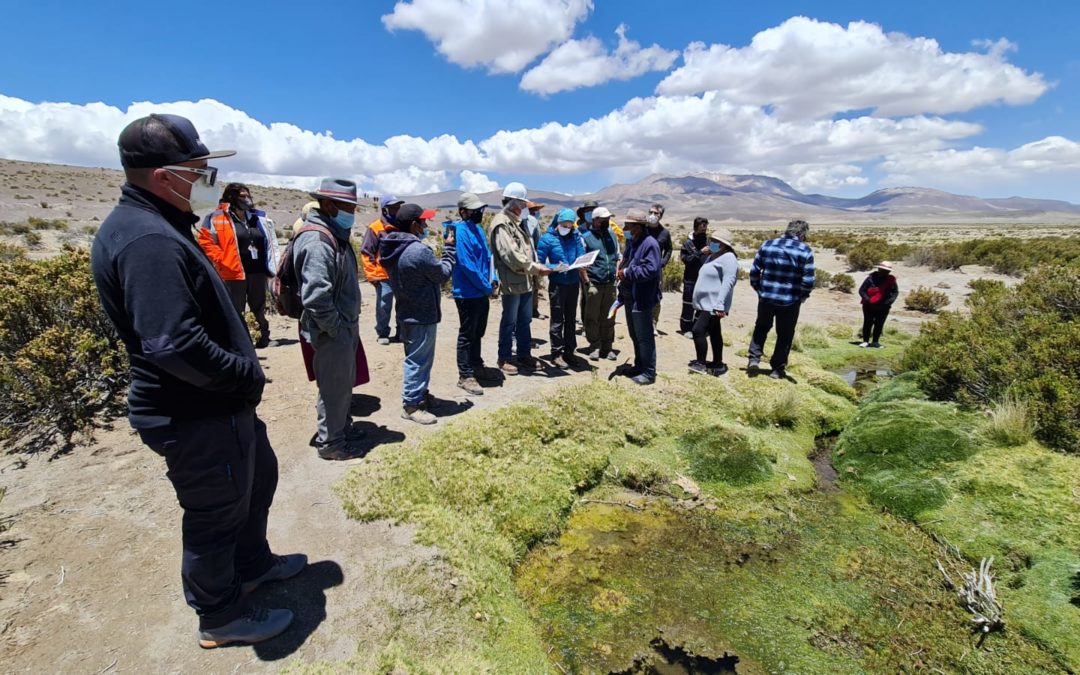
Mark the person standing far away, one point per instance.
(374, 271)
(517, 270)
(640, 272)
(417, 277)
(330, 291)
(561, 245)
(600, 291)
(474, 282)
(878, 293)
(242, 244)
(532, 226)
(693, 254)
(783, 276)
(195, 378)
(663, 240)
(712, 300)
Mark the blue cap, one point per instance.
(389, 200)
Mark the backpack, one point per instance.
(285, 287)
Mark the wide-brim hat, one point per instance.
(336, 189)
(533, 205)
(884, 265)
(636, 216)
(723, 236)
(469, 200)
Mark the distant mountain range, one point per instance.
(751, 198)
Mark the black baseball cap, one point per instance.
(160, 140)
(411, 212)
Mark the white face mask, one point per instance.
(203, 198)
(652, 219)
(563, 230)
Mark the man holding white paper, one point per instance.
(602, 248)
(559, 248)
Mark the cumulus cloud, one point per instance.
(1052, 155)
(502, 35)
(587, 63)
(811, 69)
(669, 134)
(472, 181)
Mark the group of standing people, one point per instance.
(175, 286)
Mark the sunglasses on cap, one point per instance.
(208, 175)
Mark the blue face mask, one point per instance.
(588, 216)
(629, 236)
(714, 246)
(344, 220)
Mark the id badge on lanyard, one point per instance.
(253, 251)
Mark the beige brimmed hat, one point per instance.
(601, 212)
(723, 236)
(884, 265)
(634, 216)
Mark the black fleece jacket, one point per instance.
(191, 356)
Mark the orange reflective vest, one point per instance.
(369, 252)
(218, 239)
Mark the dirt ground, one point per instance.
(91, 563)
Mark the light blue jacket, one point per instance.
(716, 283)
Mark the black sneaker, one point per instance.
(753, 364)
(875, 345)
(696, 366)
(284, 567)
(256, 624)
(341, 453)
(642, 379)
(777, 374)
(719, 370)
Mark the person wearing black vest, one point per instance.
(695, 250)
(195, 378)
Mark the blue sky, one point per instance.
(850, 98)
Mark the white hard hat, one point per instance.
(515, 190)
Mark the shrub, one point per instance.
(867, 253)
(821, 278)
(845, 283)
(1009, 423)
(780, 408)
(32, 239)
(1019, 341)
(60, 360)
(10, 252)
(926, 300)
(672, 277)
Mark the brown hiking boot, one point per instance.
(415, 413)
(508, 367)
(470, 385)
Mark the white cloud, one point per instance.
(471, 181)
(1053, 156)
(587, 63)
(812, 69)
(502, 35)
(670, 134)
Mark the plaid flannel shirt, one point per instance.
(783, 271)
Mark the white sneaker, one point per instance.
(864, 345)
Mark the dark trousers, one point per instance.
(225, 474)
(640, 326)
(686, 319)
(708, 324)
(786, 316)
(873, 319)
(473, 318)
(564, 306)
(252, 292)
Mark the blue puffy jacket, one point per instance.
(554, 249)
(474, 271)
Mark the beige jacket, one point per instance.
(515, 257)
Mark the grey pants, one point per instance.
(335, 373)
(599, 329)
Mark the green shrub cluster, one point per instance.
(672, 277)
(926, 300)
(1006, 255)
(60, 360)
(845, 283)
(822, 279)
(1018, 342)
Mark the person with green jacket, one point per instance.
(600, 291)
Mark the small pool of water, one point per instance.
(864, 376)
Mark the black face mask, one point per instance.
(699, 239)
(475, 217)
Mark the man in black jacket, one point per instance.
(195, 378)
(694, 252)
(663, 238)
